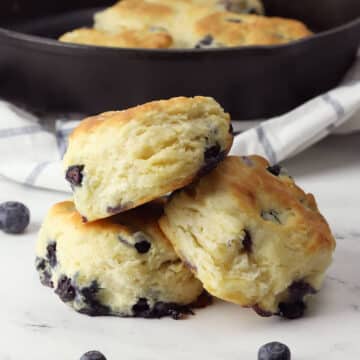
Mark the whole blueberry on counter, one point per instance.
(14, 217)
(93, 355)
(274, 351)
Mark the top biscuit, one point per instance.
(122, 159)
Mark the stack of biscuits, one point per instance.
(186, 24)
(161, 217)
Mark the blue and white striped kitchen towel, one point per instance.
(31, 154)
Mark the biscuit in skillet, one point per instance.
(174, 16)
(226, 29)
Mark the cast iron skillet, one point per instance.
(250, 82)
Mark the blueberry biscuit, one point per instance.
(187, 24)
(145, 38)
(251, 236)
(121, 159)
(174, 16)
(135, 14)
(202, 23)
(226, 29)
(121, 266)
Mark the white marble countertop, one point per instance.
(36, 325)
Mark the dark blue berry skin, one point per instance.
(74, 175)
(93, 355)
(142, 247)
(14, 217)
(247, 242)
(204, 42)
(274, 351)
(275, 170)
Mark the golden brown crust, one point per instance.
(122, 223)
(188, 22)
(250, 235)
(172, 106)
(229, 29)
(152, 149)
(256, 188)
(124, 39)
(148, 10)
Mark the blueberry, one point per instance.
(141, 308)
(45, 279)
(93, 355)
(299, 289)
(247, 242)
(206, 41)
(292, 310)
(160, 309)
(14, 217)
(212, 157)
(42, 266)
(275, 170)
(295, 307)
(92, 305)
(274, 351)
(65, 290)
(174, 310)
(261, 312)
(74, 175)
(51, 254)
(142, 245)
(204, 300)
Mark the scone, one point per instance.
(251, 236)
(226, 29)
(122, 159)
(173, 16)
(135, 14)
(121, 266)
(202, 23)
(145, 38)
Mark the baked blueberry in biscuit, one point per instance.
(74, 175)
(133, 156)
(205, 42)
(251, 236)
(122, 265)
